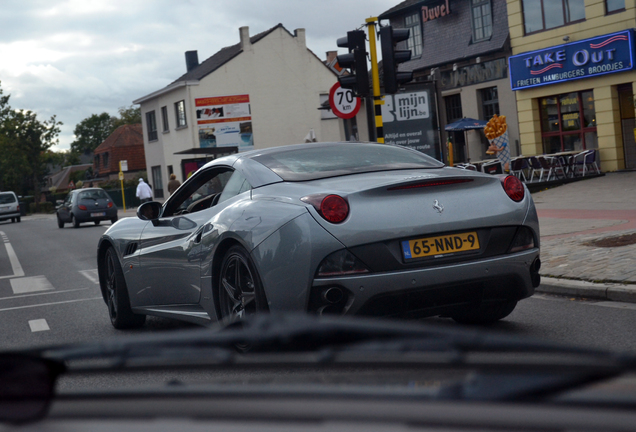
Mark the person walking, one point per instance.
(173, 184)
(144, 193)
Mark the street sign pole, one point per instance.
(375, 77)
(121, 179)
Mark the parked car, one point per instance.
(328, 228)
(86, 205)
(9, 207)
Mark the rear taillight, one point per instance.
(110, 204)
(82, 207)
(513, 187)
(333, 208)
(18, 207)
(341, 263)
(524, 239)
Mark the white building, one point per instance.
(262, 92)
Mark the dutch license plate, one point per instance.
(440, 245)
(98, 214)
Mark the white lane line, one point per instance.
(13, 258)
(43, 293)
(38, 325)
(91, 275)
(31, 284)
(51, 304)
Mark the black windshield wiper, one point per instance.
(502, 373)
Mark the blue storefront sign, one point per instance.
(582, 59)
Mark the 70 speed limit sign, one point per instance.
(343, 103)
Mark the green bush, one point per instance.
(43, 207)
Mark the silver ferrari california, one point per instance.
(327, 228)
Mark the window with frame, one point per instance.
(180, 113)
(482, 20)
(453, 108)
(414, 42)
(539, 15)
(105, 159)
(568, 122)
(164, 119)
(612, 6)
(489, 102)
(157, 182)
(151, 125)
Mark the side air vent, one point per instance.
(131, 248)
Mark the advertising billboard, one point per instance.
(225, 121)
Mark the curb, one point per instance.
(599, 291)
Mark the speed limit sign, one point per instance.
(343, 103)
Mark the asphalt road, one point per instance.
(49, 295)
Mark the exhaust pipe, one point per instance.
(332, 295)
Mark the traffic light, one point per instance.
(356, 61)
(392, 57)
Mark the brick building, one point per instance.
(125, 143)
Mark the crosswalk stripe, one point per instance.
(91, 275)
(38, 325)
(30, 284)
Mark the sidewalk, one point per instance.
(588, 238)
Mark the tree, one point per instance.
(91, 132)
(128, 115)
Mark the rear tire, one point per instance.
(12, 220)
(113, 220)
(18, 219)
(76, 223)
(485, 314)
(60, 223)
(117, 300)
(96, 222)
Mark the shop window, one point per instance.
(489, 102)
(164, 119)
(612, 6)
(414, 43)
(482, 20)
(568, 122)
(179, 109)
(151, 125)
(157, 188)
(541, 15)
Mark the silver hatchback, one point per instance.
(9, 207)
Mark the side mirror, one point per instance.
(149, 211)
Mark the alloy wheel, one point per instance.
(111, 286)
(238, 295)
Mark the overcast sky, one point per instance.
(80, 57)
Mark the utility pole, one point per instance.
(378, 100)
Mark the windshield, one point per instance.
(341, 159)
(216, 205)
(7, 198)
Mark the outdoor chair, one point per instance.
(566, 165)
(518, 168)
(584, 160)
(535, 166)
(552, 166)
(493, 167)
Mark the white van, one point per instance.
(9, 207)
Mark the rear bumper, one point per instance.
(86, 216)
(9, 215)
(434, 290)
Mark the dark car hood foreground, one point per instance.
(497, 367)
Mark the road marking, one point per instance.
(13, 258)
(91, 275)
(38, 325)
(51, 304)
(31, 284)
(43, 293)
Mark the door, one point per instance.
(171, 249)
(65, 210)
(628, 124)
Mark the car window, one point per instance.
(237, 185)
(198, 192)
(92, 195)
(68, 200)
(7, 198)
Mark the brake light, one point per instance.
(333, 208)
(110, 204)
(82, 207)
(429, 183)
(18, 208)
(513, 187)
